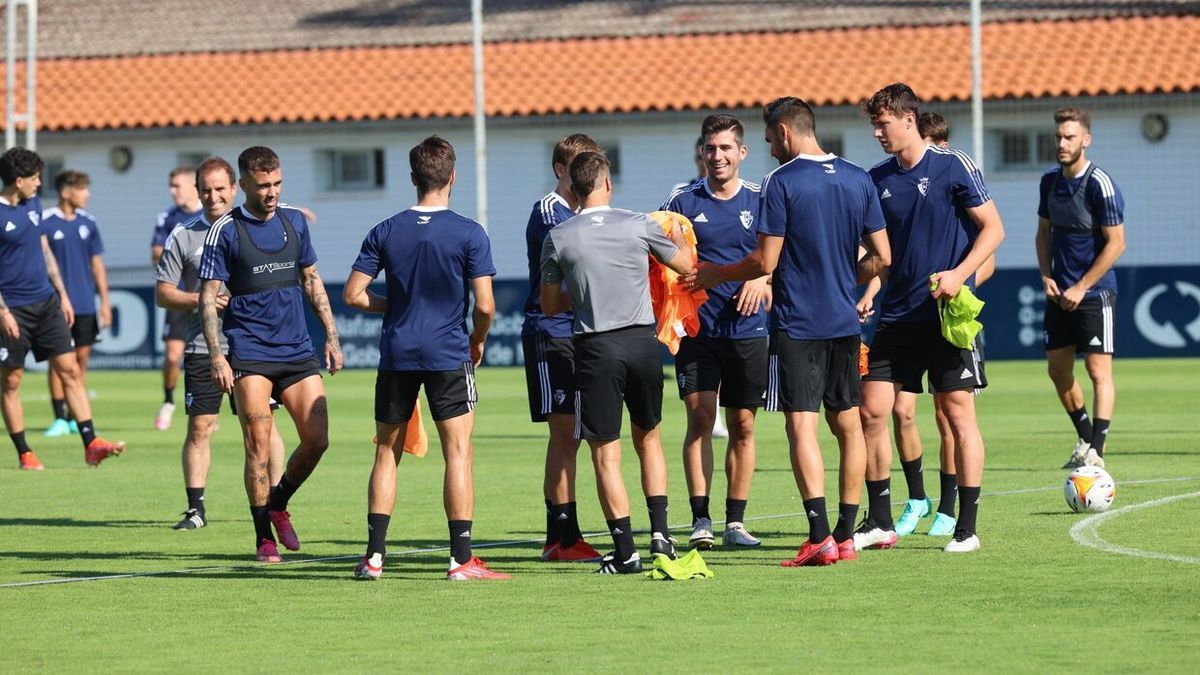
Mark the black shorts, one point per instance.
(615, 367)
(43, 330)
(281, 375)
(549, 375)
(1089, 328)
(449, 393)
(86, 330)
(201, 395)
(736, 368)
(803, 374)
(903, 352)
(175, 325)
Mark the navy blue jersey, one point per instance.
(547, 212)
(23, 278)
(168, 220)
(928, 226)
(822, 206)
(268, 325)
(429, 256)
(74, 242)
(725, 233)
(1079, 209)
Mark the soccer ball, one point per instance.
(1089, 488)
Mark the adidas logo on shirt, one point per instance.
(886, 193)
(10, 227)
(1095, 342)
(59, 236)
(966, 373)
(700, 219)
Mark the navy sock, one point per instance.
(735, 510)
(658, 514)
(1083, 426)
(949, 493)
(818, 521)
(60, 409)
(914, 477)
(968, 508)
(1100, 435)
(195, 497)
(567, 520)
(551, 525)
(847, 513)
(262, 524)
(87, 432)
(460, 540)
(879, 506)
(699, 507)
(622, 535)
(282, 493)
(18, 440)
(377, 527)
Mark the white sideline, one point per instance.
(1087, 531)
(517, 542)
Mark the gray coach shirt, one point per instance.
(603, 255)
(180, 267)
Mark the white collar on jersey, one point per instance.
(5, 202)
(708, 189)
(605, 207)
(817, 158)
(430, 209)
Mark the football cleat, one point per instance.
(660, 545)
(1078, 455)
(961, 543)
(99, 450)
(30, 462)
(59, 427)
(192, 519)
(736, 535)
(846, 550)
(580, 551)
(869, 536)
(369, 568)
(914, 511)
(610, 565)
(824, 552)
(1093, 458)
(549, 552)
(702, 534)
(473, 569)
(267, 552)
(943, 525)
(162, 421)
(282, 520)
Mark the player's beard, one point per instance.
(1072, 158)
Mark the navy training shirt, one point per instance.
(168, 220)
(822, 206)
(268, 325)
(725, 233)
(928, 226)
(74, 242)
(547, 212)
(1077, 222)
(23, 276)
(429, 256)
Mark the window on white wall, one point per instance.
(191, 158)
(831, 144)
(1023, 149)
(54, 166)
(353, 169)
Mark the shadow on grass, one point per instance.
(1054, 514)
(74, 522)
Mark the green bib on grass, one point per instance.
(687, 566)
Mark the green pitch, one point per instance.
(1032, 599)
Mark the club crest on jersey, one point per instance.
(747, 219)
(560, 396)
(35, 217)
(84, 232)
(923, 186)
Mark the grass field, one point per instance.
(1032, 599)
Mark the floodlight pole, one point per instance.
(29, 117)
(977, 82)
(481, 202)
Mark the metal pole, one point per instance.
(481, 202)
(31, 74)
(977, 82)
(10, 76)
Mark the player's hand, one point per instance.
(705, 276)
(105, 315)
(1051, 287)
(477, 351)
(222, 374)
(68, 311)
(944, 284)
(677, 234)
(12, 330)
(333, 357)
(865, 308)
(754, 294)
(221, 301)
(1071, 298)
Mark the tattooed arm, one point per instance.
(57, 282)
(314, 288)
(211, 323)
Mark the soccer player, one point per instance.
(729, 354)
(75, 241)
(1081, 234)
(816, 208)
(943, 225)
(263, 254)
(434, 259)
(550, 367)
(186, 208)
(603, 256)
(35, 310)
(177, 288)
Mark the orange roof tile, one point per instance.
(616, 75)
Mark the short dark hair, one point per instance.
(1074, 115)
(587, 169)
(211, 165)
(18, 162)
(257, 159)
(568, 147)
(181, 170)
(431, 162)
(71, 179)
(933, 126)
(715, 124)
(791, 111)
(897, 98)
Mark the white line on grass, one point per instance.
(498, 544)
(1087, 531)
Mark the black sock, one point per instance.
(568, 524)
(282, 493)
(87, 432)
(914, 477)
(262, 524)
(658, 514)
(18, 440)
(949, 493)
(60, 409)
(195, 497)
(735, 511)
(818, 521)
(169, 395)
(1083, 426)
(699, 507)
(847, 513)
(460, 540)
(551, 525)
(377, 527)
(1100, 435)
(879, 506)
(622, 534)
(968, 508)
